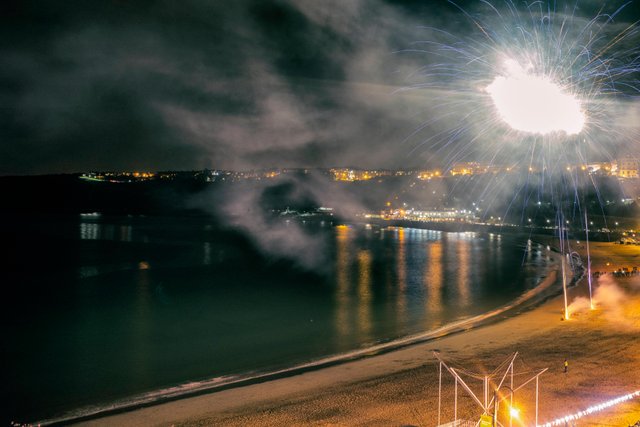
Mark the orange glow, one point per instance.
(343, 174)
(343, 260)
(464, 271)
(434, 278)
(514, 412)
(401, 272)
(364, 294)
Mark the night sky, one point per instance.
(119, 85)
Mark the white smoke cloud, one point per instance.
(246, 207)
(277, 237)
(618, 306)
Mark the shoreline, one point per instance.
(391, 388)
(530, 299)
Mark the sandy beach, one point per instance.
(400, 388)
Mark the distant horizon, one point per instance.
(272, 168)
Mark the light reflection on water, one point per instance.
(464, 250)
(364, 295)
(433, 279)
(386, 281)
(90, 230)
(428, 278)
(401, 277)
(342, 283)
(139, 303)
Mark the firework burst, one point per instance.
(534, 86)
(537, 90)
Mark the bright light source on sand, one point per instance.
(515, 412)
(533, 103)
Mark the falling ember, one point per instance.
(533, 103)
(564, 290)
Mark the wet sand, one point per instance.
(400, 388)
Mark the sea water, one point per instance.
(99, 309)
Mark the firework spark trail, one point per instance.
(537, 90)
(570, 77)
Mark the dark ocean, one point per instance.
(103, 308)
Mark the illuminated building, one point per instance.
(427, 174)
(468, 168)
(627, 167)
(348, 174)
(600, 168)
(474, 168)
(426, 216)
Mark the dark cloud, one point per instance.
(296, 45)
(114, 84)
(120, 85)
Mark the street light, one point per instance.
(513, 412)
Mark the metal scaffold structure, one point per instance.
(494, 385)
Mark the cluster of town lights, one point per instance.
(596, 408)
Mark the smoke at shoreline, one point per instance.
(613, 301)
